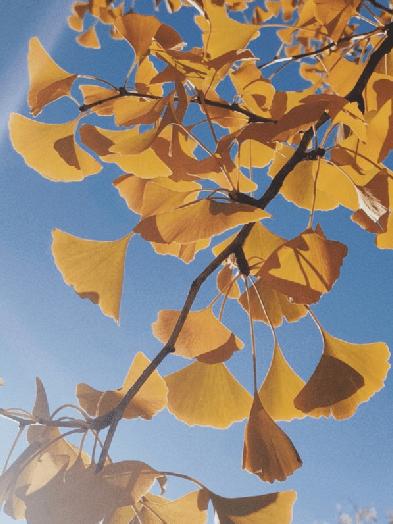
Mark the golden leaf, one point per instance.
(275, 303)
(222, 34)
(150, 399)
(335, 15)
(132, 110)
(226, 283)
(192, 507)
(201, 333)
(272, 508)
(51, 149)
(198, 220)
(207, 395)
(347, 375)
(95, 269)
(304, 268)
(102, 140)
(89, 38)
(279, 389)
(93, 94)
(268, 452)
(48, 81)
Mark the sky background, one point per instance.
(47, 331)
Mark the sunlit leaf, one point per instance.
(102, 140)
(221, 33)
(48, 81)
(51, 149)
(276, 305)
(268, 452)
(347, 375)
(306, 267)
(207, 395)
(192, 507)
(279, 389)
(272, 508)
(335, 15)
(226, 283)
(198, 220)
(89, 38)
(80, 496)
(94, 268)
(95, 94)
(201, 333)
(150, 399)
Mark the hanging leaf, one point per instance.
(267, 452)
(267, 509)
(201, 333)
(150, 399)
(95, 269)
(347, 375)
(207, 395)
(199, 220)
(89, 38)
(192, 507)
(279, 389)
(304, 268)
(48, 81)
(51, 149)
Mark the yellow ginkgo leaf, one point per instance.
(89, 38)
(335, 15)
(198, 220)
(95, 269)
(226, 282)
(185, 252)
(201, 333)
(272, 508)
(221, 33)
(207, 395)
(280, 388)
(275, 304)
(347, 375)
(139, 31)
(257, 248)
(131, 110)
(192, 507)
(95, 95)
(48, 81)
(150, 399)
(51, 149)
(268, 452)
(304, 268)
(102, 140)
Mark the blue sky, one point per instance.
(47, 331)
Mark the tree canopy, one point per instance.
(207, 137)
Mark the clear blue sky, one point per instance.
(47, 331)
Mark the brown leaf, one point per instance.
(267, 452)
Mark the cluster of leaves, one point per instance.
(319, 147)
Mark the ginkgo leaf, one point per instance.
(139, 31)
(51, 149)
(201, 333)
(48, 81)
(268, 452)
(80, 496)
(95, 94)
(257, 248)
(150, 399)
(347, 375)
(94, 268)
(226, 283)
(185, 252)
(207, 395)
(102, 140)
(272, 508)
(89, 38)
(279, 389)
(373, 212)
(304, 268)
(275, 304)
(131, 110)
(335, 15)
(192, 507)
(198, 220)
(221, 33)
